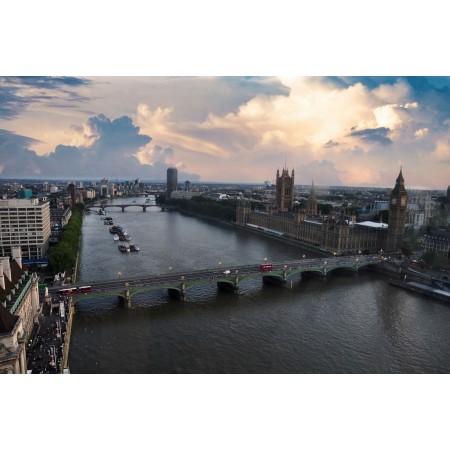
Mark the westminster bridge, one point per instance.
(177, 284)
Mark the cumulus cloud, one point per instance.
(110, 148)
(238, 128)
(155, 154)
(355, 118)
(421, 132)
(441, 152)
(15, 158)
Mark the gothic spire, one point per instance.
(400, 178)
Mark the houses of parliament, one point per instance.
(334, 233)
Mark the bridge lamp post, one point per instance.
(170, 270)
(119, 274)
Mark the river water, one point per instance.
(344, 324)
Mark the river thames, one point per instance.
(341, 324)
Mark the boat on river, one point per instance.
(134, 248)
(123, 248)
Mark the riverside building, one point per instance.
(24, 223)
(334, 233)
(19, 312)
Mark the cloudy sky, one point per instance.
(333, 130)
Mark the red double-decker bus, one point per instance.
(266, 267)
(84, 289)
(75, 290)
(67, 291)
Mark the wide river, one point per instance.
(342, 324)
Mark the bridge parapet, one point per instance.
(178, 284)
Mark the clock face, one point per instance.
(394, 201)
(403, 201)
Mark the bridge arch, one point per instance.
(177, 288)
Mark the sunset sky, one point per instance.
(333, 130)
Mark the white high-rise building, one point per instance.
(24, 223)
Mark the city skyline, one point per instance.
(353, 131)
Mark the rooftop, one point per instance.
(371, 224)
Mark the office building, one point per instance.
(24, 223)
(172, 180)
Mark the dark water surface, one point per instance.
(344, 324)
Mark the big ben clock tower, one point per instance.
(397, 215)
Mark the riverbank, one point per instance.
(422, 289)
(71, 313)
(51, 345)
(234, 225)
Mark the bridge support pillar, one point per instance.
(123, 208)
(284, 277)
(183, 290)
(127, 298)
(236, 284)
(144, 208)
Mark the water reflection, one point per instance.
(341, 324)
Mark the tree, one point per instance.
(324, 208)
(406, 250)
(437, 260)
(65, 253)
